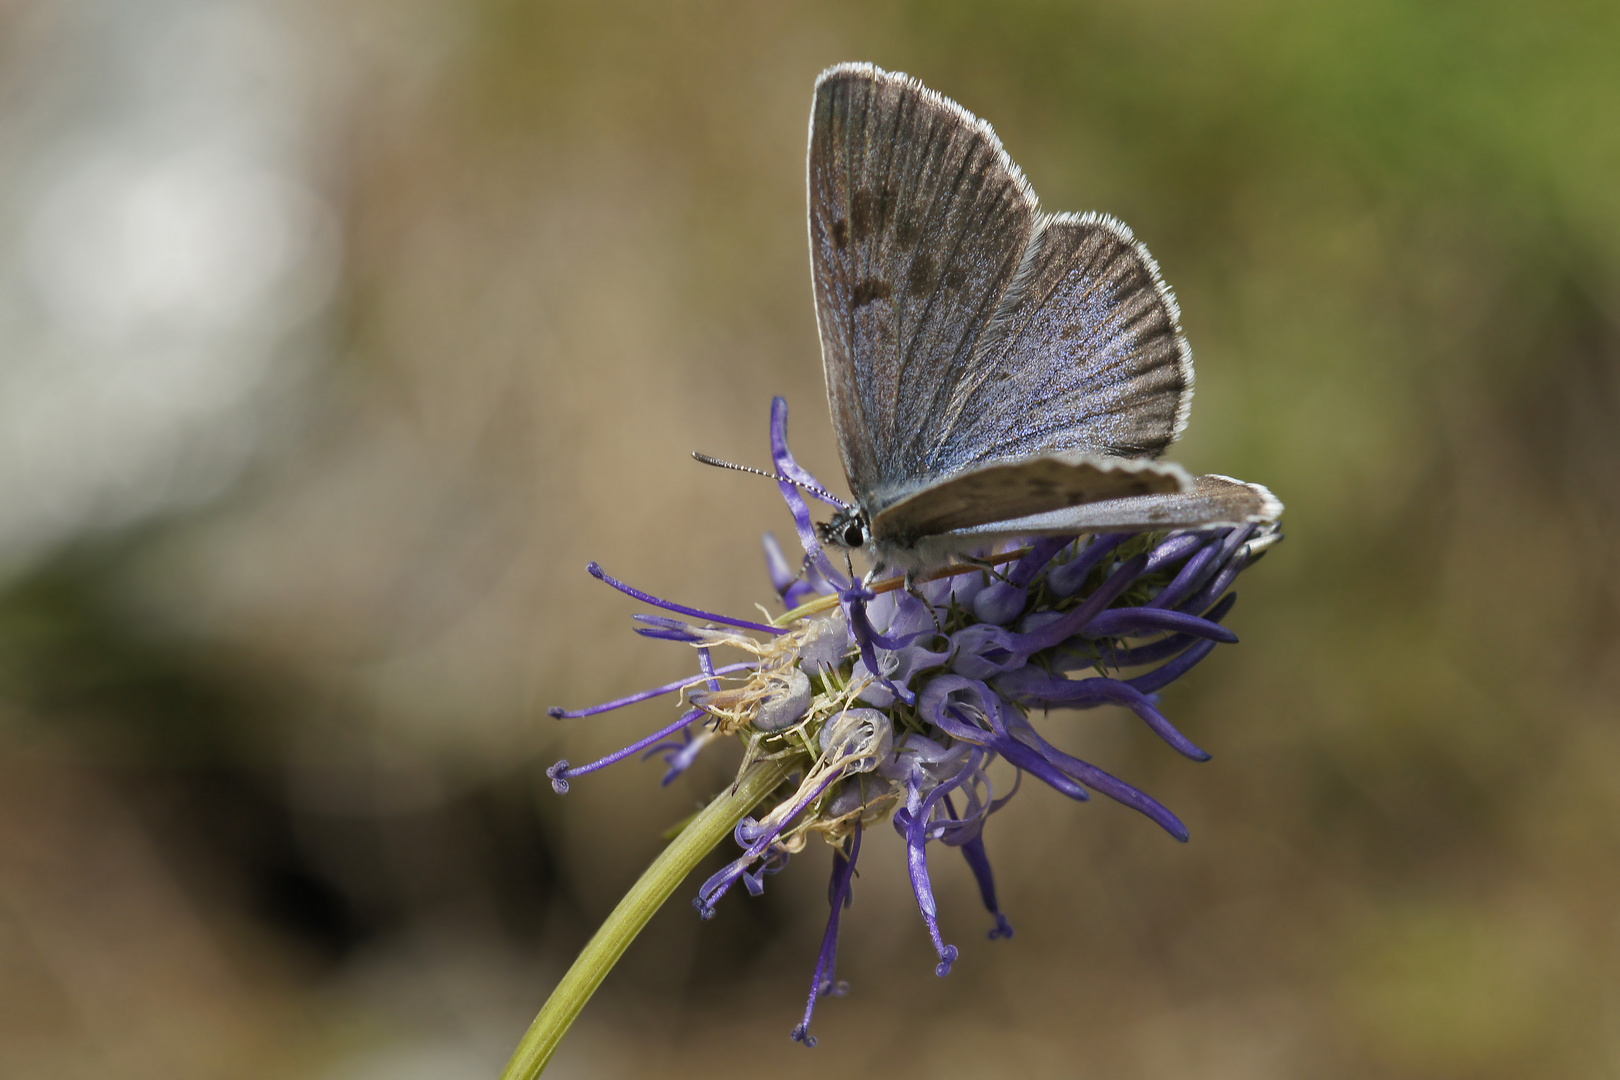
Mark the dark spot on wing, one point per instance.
(869, 290)
(954, 277)
(921, 279)
(1070, 332)
(869, 212)
(907, 232)
(840, 234)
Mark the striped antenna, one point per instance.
(811, 488)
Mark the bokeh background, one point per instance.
(336, 337)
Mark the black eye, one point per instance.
(854, 535)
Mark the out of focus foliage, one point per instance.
(273, 756)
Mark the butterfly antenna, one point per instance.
(811, 488)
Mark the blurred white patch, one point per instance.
(192, 244)
(162, 255)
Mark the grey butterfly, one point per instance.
(993, 371)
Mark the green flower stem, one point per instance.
(646, 896)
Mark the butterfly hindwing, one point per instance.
(1016, 489)
(1210, 500)
(918, 224)
(1086, 355)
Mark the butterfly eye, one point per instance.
(854, 534)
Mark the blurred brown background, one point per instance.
(338, 337)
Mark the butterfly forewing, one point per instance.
(918, 224)
(1087, 355)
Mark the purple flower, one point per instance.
(895, 704)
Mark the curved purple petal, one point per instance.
(979, 862)
(1105, 784)
(1170, 646)
(982, 651)
(1173, 550)
(1000, 602)
(596, 571)
(1042, 551)
(866, 639)
(562, 772)
(965, 709)
(784, 460)
(1163, 676)
(1213, 591)
(1118, 622)
(1191, 575)
(644, 695)
(1067, 579)
(1052, 692)
(840, 893)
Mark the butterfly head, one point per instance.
(848, 528)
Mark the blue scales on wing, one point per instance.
(1085, 355)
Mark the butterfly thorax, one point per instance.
(851, 530)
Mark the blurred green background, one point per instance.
(338, 337)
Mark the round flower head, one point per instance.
(892, 703)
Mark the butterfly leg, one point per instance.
(988, 565)
(911, 587)
(876, 574)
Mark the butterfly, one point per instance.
(993, 371)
